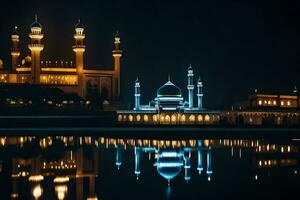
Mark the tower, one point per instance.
(190, 86)
(15, 51)
(79, 49)
(200, 93)
(35, 47)
(137, 94)
(117, 54)
(187, 166)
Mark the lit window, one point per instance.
(119, 118)
(146, 118)
(183, 118)
(259, 102)
(192, 118)
(288, 103)
(269, 102)
(130, 117)
(282, 103)
(173, 118)
(138, 118)
(207, 118)
(167, 118)
(155, 118)
(265, 102)
(200, 118)
(274, 102)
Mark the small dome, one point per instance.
(137, 80)
(117, 35)
(79, 25)
(169, 89)
(190, 68)
(169, 164)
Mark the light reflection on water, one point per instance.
(74, 167)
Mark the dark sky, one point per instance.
(235, 46)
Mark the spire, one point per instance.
(35, 17)
(117, 34)
(137, 79)
(169, 78)
(190, 67)
(199, 79)
(295, 89)
(15, 32)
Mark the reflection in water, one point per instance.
(62, 160)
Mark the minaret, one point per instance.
(200, 157)
(209, 163)
(137, 160)
(190, 86)
(15, 51)
(117, 54)
(79, 49)
(200, 94)
(36, 47)
(137, 94)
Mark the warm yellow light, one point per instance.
(288, 103)
(274, 102)
(192, 118)
(259, 102)
(146, 118)
(173, 118)
(61, 179)
(200, 118)
(130, 117)
(282, 103)
(207, 118)
(37, 191)
(138, 118)
(36, 178)
(61, 191)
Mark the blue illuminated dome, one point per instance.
(169, 90)
(169, 164)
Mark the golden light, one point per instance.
(130, 117)
(61, 179)
(119, 118)
(173, 118)
(259, 102)
(36, 178)
(138, 118)
(146, 118)
(37, 191)
(192, 118)
(200, 118)
(207, 118)
(167, 118)
(61, 191)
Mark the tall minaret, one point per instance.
(190, 86)
(200, 93)
(36, 47)
(117, 54)
(137, 94)
(15, 51)
(79, 49)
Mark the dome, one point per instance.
(169, 164)
(169, 89)
(36, 24)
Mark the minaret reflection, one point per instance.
(137, 158)
(200, 157)
(187, 166)
(118, 157)
(209, 164)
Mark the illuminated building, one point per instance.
(169, 106)
(70, 76)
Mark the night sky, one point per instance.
(236, 46)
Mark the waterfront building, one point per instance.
(169, 106)
(70, 76)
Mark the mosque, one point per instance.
(70, 76)
(169, 106)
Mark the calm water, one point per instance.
(74, 167)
